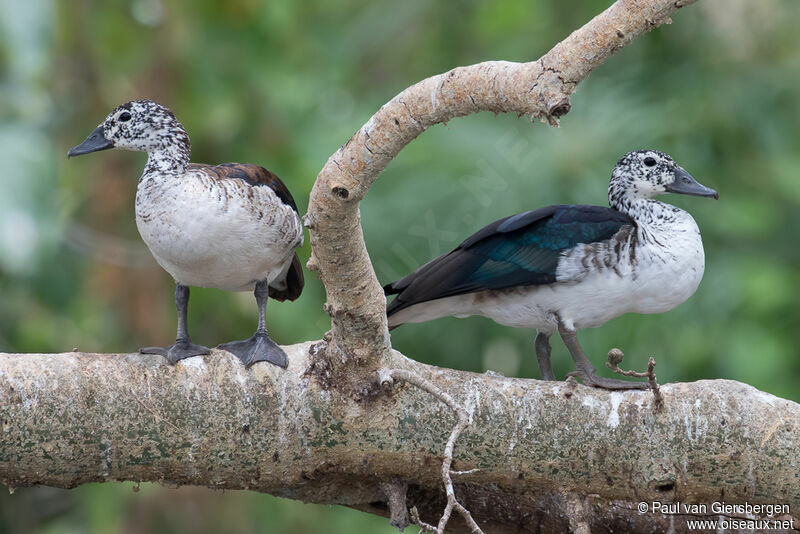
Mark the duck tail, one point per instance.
(294, 283)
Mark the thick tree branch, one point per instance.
(73, 418)
(539, 89)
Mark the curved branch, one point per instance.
(68, 419)
(539, 89)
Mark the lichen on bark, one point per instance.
(74, 418)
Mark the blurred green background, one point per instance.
(284, 84)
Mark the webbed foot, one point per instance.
(584, 368)
(592, 380)
(178, 351)
(258, 348)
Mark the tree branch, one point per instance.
(538, 89)
(73, 418)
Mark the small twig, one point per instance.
(467, 472)
(387, 378)
(615, 357)
(423, 526)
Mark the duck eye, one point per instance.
(649, 161)
(125, 117)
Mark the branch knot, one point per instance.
(341, 192)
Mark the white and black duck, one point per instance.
(568, 267)
(233, 226)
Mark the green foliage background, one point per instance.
(284, 84)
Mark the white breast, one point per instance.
(216, 233)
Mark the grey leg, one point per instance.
(183, 346)
(542, 344)
(259, 347)
(584, 368)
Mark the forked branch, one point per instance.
(539, 89)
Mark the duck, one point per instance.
(564, 268)
(233, 226)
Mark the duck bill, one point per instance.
(685, 184)
(96, 141)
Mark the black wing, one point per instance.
(520, 250)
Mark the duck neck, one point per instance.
(171, 156)
(643, 210)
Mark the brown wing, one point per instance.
(254, 175)
(294, 283)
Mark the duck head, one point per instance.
(140, 125)
(644, 174)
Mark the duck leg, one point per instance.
(259, 347)
(584, 368)
(542, 344)
(183, 346)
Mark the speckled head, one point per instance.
(140, 125)
(644, 174)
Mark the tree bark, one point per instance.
(73, 418)
(354, 423)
